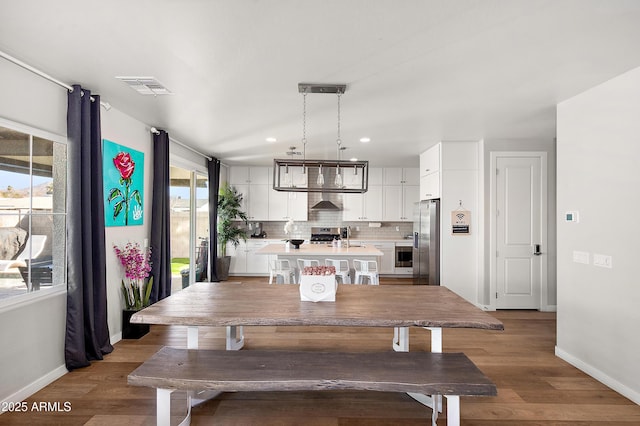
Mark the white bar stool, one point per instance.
(281, 268)
(342, 269)
(366, 268)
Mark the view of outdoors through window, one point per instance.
(188, 218)
(32, 213)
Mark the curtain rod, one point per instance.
(157, 132)
(44, 75)
(106, 105)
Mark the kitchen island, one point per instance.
(321, 251)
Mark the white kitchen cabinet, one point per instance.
(238, 265)
(245, 261)
(399, 202)
(353, 180)
(401, 176)
(386, 263)
(255, 200)
(430, 160)
(430, 186)
(288, 205)
(249, 175)
(363, 207)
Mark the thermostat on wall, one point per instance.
(571, 217)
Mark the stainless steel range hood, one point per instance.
(325, 205)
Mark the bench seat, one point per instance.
(449, 374)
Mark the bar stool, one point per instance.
(281, 268)
(366, 268)
(342, 269)
(306, 262)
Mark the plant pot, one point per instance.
(222, 267)
(132, 331)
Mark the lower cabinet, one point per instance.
(245, 261)
(386, 263)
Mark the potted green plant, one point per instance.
(136, 291)
(229, 212)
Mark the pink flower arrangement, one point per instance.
(319, 270)
(137, 267)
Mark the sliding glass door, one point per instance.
(189, 227)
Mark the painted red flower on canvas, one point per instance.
(124, 164)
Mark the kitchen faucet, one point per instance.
(348, 235)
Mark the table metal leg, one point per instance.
(453, 410)
(401, 339)
(235, 337)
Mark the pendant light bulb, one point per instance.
(338, 181)
(320, 180)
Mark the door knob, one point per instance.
(536, 250)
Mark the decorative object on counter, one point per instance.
(137, 291)
(296, 243)
(229, 203)
(318, 284)
(345, 176)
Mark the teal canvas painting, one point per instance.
(123, 176)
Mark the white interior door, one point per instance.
(520, 231)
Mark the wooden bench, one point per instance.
(448, 374)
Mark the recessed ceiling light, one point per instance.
(271, 139)
(365, 140)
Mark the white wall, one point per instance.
(32, 335)
(598, 175)
(124, 130)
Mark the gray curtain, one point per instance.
(214, 186)
(160, 219)
(87, 332)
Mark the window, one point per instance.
(32, 211)
(189, 227)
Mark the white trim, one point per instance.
(544, 240)
(16, 302)
(34, 131)
(36, 385)
(599, 375)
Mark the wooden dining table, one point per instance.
(235, 304)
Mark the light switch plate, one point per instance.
(581, 257)
(602, 260)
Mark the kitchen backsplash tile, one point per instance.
(334, 219)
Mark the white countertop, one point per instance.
(319, 250)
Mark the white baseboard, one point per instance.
(35, 386)
(549, 308)
(115, 338)
(622, 389)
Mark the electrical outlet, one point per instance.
(581, 257)
(602, 260)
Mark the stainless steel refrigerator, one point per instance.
(426, 243)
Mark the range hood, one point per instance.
(325, 205)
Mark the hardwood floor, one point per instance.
(534, 386)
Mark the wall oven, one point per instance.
(404, 256)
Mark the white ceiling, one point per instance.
(417, 71)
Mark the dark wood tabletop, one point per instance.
(239, 304)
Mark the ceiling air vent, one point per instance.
(146, 85)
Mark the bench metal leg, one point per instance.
(235, 338)
(401, 344)
(192, 337)
(453, 410)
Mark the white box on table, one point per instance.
(318, 288)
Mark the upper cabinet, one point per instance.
(430, 161)
(401, 176)
(400, 192)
